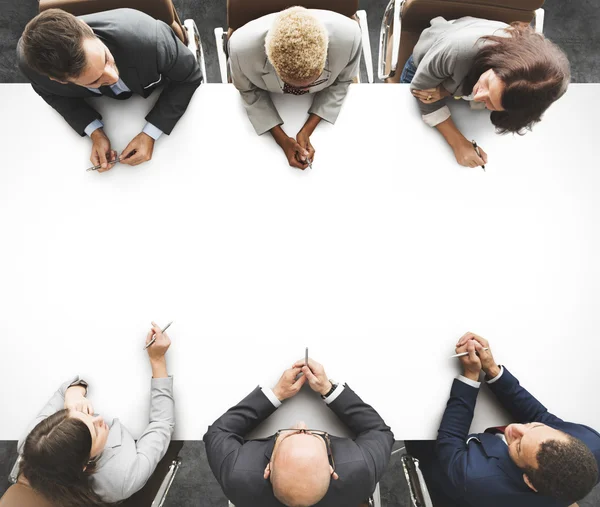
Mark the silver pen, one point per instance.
(463, 354)
(96, 167)
(154, 336)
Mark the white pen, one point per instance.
(463, 354)
(154, 336)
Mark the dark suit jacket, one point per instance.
(147, 53)
(481, 473)
(239, 464)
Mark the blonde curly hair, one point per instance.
(296, 45)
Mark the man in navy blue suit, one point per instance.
(538, 461)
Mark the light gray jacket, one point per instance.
(125, 465)
(254, 76)
(444, 56)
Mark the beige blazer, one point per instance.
(124, 466)
(254, 76)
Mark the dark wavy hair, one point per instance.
(567, 471)
(56, 461)
(52, 44)
(536, 73)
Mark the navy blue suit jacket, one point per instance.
(481, 472)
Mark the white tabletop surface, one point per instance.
(378, 259)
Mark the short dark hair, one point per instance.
(536, 73)
(567, 470)
(52, 44)
(56, 461)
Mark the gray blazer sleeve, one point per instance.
(328, 102)
(56, 403)
(154, 441)
(177, 64)
(437, 65)
(262, 113)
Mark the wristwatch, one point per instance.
(81, 383)
(334, 385)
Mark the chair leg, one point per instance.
(366, 44)
(221, 54)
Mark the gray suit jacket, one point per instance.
(147, 53)
(254, 76)
(124, 466)
(444, 56)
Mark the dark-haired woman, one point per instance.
(75, 458)
(509, 69)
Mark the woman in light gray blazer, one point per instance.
(76, 458)
(509, 69)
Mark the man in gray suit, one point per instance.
(299, 467)
(296, 51)
(114, 53)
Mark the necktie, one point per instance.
(294, 91)
(107, 90)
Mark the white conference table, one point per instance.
(378, 259)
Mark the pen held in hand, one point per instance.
(463, 354)
(154, 336)
(478, 151)
(108, 163)
(306, 357)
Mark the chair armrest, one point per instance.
(195, 45)
(538, 20)
(366, 43)
(391, 22)
(221, 54)
(167, 482)
(416, 483)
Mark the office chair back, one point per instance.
(240, 12)
(22, 495)
(163, 10)
(416, 15)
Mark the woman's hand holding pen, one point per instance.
(466, 155)
(75, 400)
(157, 351)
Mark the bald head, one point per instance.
(301, 470)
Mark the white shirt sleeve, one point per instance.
(152, 131)
(271, 395)
(334, 395)
(491, 381)
(92, 127)
(433, 119)
(469, 382)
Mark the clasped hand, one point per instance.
(290, 384)
(478, 358)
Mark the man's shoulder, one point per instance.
(123, 26)
(249, 39)
(342, 30)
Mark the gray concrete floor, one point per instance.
(572, 24)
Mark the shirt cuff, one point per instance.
(469, 382)
(437, 117)
(336, 392)
(491, 381)
(95, 125)
(271, 395)
(152, 131)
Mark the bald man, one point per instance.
(299, 467)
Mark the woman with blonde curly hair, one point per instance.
(296, 51)
(509, 69)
